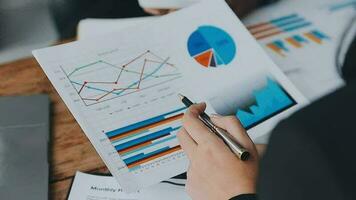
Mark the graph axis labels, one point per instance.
(211, 46)
(142, 72)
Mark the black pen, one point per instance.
(230, 141)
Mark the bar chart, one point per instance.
(285, 45)
(280, 25)
(146, 141)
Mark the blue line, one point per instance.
(142, 123)
(89, 87)
(148, 75)
(286, 23)
(144, 139)
(342, 5)
(133, 84)
(283, 18)
(142, 155)
(292, 28)
(150, 145)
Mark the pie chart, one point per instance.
(211, 46)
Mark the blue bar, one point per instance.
(142, 155)
(319, 35)
(130, 136)
(135, 168)
(144, 139)
(280, 45)
(141, 124)
(342, 5)
(284, 18)
(292, 28)
(148, 146)
(300, 39)
(286, 23)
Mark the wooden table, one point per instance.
(70, 150)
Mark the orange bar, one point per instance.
(275, 48)
(135, 147)
(264, 29)
(267, 35)
(177, 148)
(293, 42)
(257, 25)
(313, 38)
(147, 127)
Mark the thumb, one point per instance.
(233, 126)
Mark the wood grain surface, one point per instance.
(70, 149)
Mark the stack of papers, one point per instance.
(122, 88)
(287, 31)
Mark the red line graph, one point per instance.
(116, 85)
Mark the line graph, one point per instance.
(103, 80)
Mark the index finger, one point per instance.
(195, 127)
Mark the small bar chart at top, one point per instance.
(286, 45)
(288, 33)
(277, 26)
(103, 80)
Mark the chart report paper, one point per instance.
(122, 88)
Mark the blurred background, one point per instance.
(29, 24)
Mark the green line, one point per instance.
(135, 72)
(82, 67)
(116, 67)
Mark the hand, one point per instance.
(215, 172)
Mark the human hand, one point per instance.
(215, 173)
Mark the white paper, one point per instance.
(93, 28)
(310, 67)
(313, 76)
(94, 187)
(122, 88)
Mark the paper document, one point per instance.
(122, 88)
(310, 65)
(95, 187)
(93, 28)
(303, 40)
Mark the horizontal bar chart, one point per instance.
(145, 141)
(278, 26)
(285, 45)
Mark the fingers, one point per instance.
(186, 142)
(195, 127)
(232, 125)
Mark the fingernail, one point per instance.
(215, 116)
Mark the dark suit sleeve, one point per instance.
(311, 155)
(245, 197)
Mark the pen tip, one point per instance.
(180, 96)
